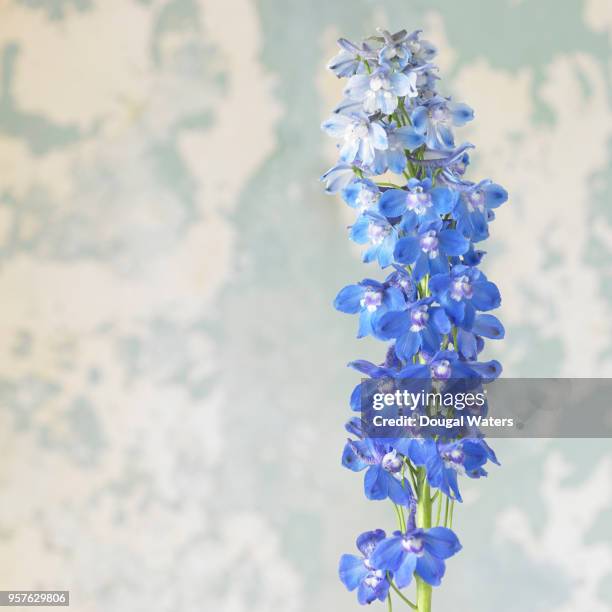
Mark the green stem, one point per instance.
(400, 594)
(446, 513)
(389, 602)
(423, 520)
(412, 477)
(393, 185)
(400, 517)
(439, 509)
(452, 507)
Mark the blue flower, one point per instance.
(422, 50)
(474, 209)
(420, 326)
(394, 156)
(417, 551)
(371, 300)
(375, 230)
(380, 90)
(338, 177)
(435, 118)
(462, 291)
(444, 461)
(395, 52)
(419, 199)
(362, 194)
(359, 573)
(429, 247)
(384, 477)
(471, 333)
(361, 137)
(403, 280)
(349, 60)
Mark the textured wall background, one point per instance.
(172, 381)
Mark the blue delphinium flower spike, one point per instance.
(422, 222)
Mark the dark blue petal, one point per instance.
(466, 342)
(439, 283)
(399, 493)
(355, 427)
(418, 118)
(430, 338)
(352, 571)
(421, 450)
(366, 594)
(446, 135)
(406, 250)
(393, 325)
(351, 461)
(421, 267)
(430, 568)
(392, 203)
(441, 542)
(375, 483)
(359, 230)
(367, 542)
(365, 324)
(408, 345)
(454, 309)
(365, 367)
(495, 195)
(440, 320)
(393, 299)
(389, 554)
(348, 299)
(461, 113)
(486, 295)
(443, 200)
(385, 252)
(403, 574)
(488, 370)
(355, 400)
(452, 242)
(488, 326)
(409, 138)
(397, 160)
(480, 227)
(414, 370)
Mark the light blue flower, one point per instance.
(395, 52)
(338, 177)
(360, 136)
(419, 200)
(435, 119)
(422, 51)
(464, 290)
(420, 326)
(380, 90)
(399, 140)
(375, 230)
(349, 60)
(474, 209)
(370, 299)
(428, 247)
(362, 194)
